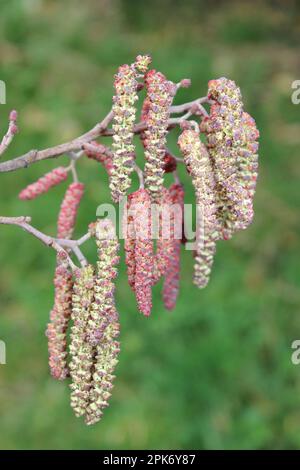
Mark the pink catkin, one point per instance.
(171, 282)
(59, 320)
(141, 206)
(43, 184)
(129, 243)
(101, 155)
(68, 210)
(164, 244)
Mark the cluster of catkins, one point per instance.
(84, 323)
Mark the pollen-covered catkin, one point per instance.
(160, 93)
(124, 111)
(101, 154)
(103, 307)
(59, 319)
(171, 281)
(144, 258)
(124, 118)
(164, 243)
(105, 321)
(227, 140)
(68, 210)
(129, 242)
(198, 163)
(247, 162)
(43, 184)
(81, 352)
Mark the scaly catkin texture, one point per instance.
(160, 93)
(228, 132)
(59, 320)
(68, 210)
(197, 160)
(102, 155)
(81, 352)
(144, 258)
(43, 184)
(124, 119)
(129, 242)
(171, 281)
(124, 110)
(247, 162)
(105, 321)
(103, 306)
(164, 243)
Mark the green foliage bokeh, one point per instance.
(216, 372)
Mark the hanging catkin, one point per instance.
(68, 210)
(81, 352)
(59, 319)
(160, 94)
(105, 321)
(171, 281)
(233, 154)
(197, 160)
(144, 258)
(43, 184)
(124, 111)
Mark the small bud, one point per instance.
(185, 83)
(13, 115)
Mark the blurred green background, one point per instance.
(216, 372)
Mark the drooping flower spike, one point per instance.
(129, 242)
(68, 210)
(103, 307)
(82, 353)
(101, 154)
(124, 110)
(43, 184)
(171, 281)
(228, 142)
(103, 326)
(198, 163)
(59, 319)
(160, 93)
(165, 235)
(140, 207)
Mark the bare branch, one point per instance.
(11, 132)
(34, 156)
(55, 243)
(100, 129)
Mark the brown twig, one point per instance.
(58, 245)
(100, 129)
(11, 132)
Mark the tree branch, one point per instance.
(100, 129)
(55, 243)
